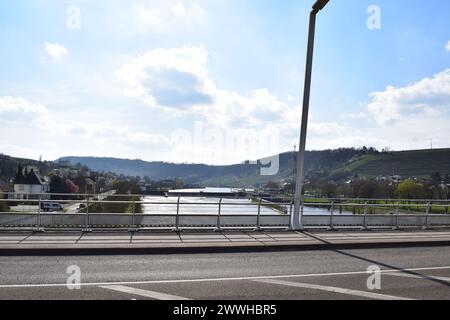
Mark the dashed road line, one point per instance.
(423, 277)
(143, 293)
(358, 293)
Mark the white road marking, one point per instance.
(144, 293)
(96, 284)
(423, 277)
(357, 293)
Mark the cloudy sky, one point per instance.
(221, 81)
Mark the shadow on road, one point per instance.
(374, 262)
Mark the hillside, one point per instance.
(418, 163)
(239, 175)
(9, 165)
(191, 173)
(335, 165)
(326, 165)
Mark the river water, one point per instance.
(191, 206)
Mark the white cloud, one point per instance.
(174, 78)
(148, 18)
(78, 130)
(204, 123)
(238, 126)
(20, 110)
(402, 118)
(187, 14)
(164, 16)
(326, 129)
(117, 134)
(22, 124)
(429, 97)
(55, 51)
(177, 81)
(447, 47)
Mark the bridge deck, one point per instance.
(10, 241)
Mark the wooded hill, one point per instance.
(326, 165)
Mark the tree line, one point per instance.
(437, 187)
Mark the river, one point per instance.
(191, 206)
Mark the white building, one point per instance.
(29, 182)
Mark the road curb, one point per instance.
(202, 249)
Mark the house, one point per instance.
(29, 182)
(69, 172)
(90, 186)
(34, 168)
(5, 188)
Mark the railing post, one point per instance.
(177, 219)
(331, 216)
(427, 213)
(366, 208)
(39, 214)
(258, 218)
(397, 212)
(133, 215)
(428, 208)
(218, 215)
(86, 229)
(302, 209)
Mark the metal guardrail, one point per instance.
(377, 221)
(395, 215)
(137, 222)
(175, 215)
(178, 215)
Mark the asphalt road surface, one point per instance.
(408, 273)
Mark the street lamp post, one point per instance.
(296, 219)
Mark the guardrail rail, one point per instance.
(180, 214)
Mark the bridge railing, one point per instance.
(182, 214)
(172, 213)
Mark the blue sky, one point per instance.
(219, 81)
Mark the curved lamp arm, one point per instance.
(319, 5)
